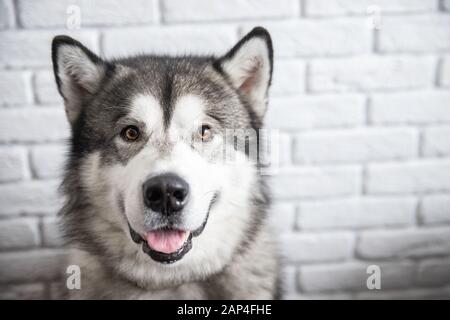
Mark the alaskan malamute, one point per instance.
(154, 207)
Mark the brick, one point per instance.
(7, 16)
(204, 10)
(316, 247)
(33, 125)
(318, 37)
(19, 233)
(16, 266)
(445, 72)
(435, 209)
(423, 33)
(31, 48)
(316, 111)
(288, 77)
(15, 88)
(419, 107)
(364, 73)
(446, 5)
(390, 244)
(409, 177)
(352, 145)
(47, 161)
(434, 272)
(319, 296)
(350, 7)
(282, 216)
(175, 40)
(357, 213)
(33, 291)
(33, 197)
(353, 276)
(13, 164)
(293, 183)
(436, 141)
(45, 88)
(406, 294)
(51, 236)
(57, 13)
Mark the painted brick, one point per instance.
(409, 177)
(33, 197)
(31, 48)
(445, 72)
(45, 88)
(288, 77)
(353, 276)
(357, 213)
(333, 146)
(15, 88)
(169, 40)
(316, 247)
(7, 15)
(16, 266)
(13, 164)
(19, 233)
(33, 125)
(436, 141)
(422, 33)
(204, 10)
(404, 243)
(434, 272)
(365, 73)
(308, 38)
(316, 111)
(308, 182)
(419, 107)
(435, 209)
(351, 7)
(47, 161)
(57, 13)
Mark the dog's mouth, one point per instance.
(164, 245)
(168, 245)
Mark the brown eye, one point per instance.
(205, 133)
(130, 133)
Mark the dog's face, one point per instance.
(152, 160)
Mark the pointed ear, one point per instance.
(78, 73)
(248, 65)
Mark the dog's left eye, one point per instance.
(205, 133)
(130, 133)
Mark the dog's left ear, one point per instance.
(248, 65)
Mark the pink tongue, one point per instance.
(166, 241)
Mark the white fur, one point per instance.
(146, 108)
(251, 60)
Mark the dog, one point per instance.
(153, 209)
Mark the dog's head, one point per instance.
(154, 183)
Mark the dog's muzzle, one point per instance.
(167, 244)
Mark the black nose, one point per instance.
(166, 193)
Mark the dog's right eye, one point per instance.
(130, 133)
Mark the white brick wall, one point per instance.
(364, 116)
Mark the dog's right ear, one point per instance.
(78, 73)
